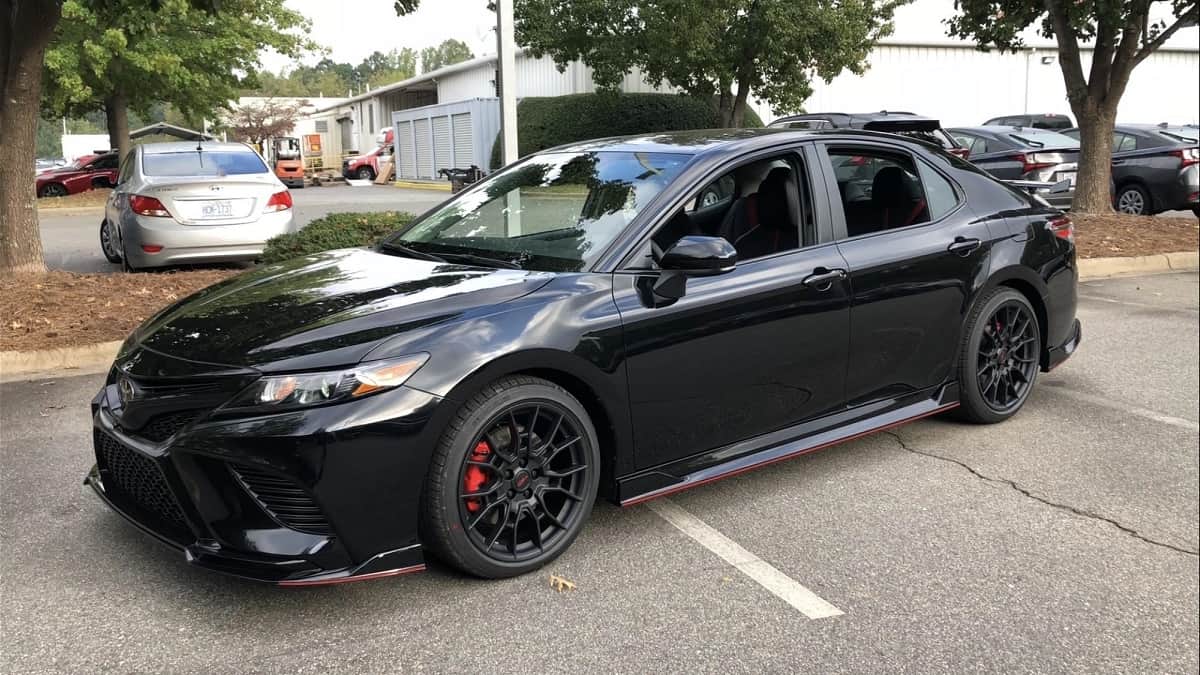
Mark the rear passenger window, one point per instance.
(938, 192)
(1123, 142)
(880, 190)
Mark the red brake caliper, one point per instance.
(475, 476)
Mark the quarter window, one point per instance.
(938, 192)
(880, 190)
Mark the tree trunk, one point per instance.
(25, 29)
(725, 107)
(1094, 178)
(116, 110)
(739, 104)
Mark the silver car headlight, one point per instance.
(284, 392)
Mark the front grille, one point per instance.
(162, 427)
(138, 478)
(283, 500)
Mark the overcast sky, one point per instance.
(352, 29)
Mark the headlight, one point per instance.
(279, 392)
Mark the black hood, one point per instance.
(325, 310)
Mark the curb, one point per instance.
(421, 185)
(83, 360)
(1101, 268)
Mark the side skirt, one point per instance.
(823, 433)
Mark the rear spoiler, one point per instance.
(1035, 186)
(903, 124)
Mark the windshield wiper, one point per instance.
(480, 260)
(393, 247)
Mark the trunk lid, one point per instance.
(214, 201)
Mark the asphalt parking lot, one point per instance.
(1064, 540)
(71, 238)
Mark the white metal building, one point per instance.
(919, 69)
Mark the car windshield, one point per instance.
(202, 163)
(1037, 138)
(552, 212)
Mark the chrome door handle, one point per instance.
(964, 246)
(822, 279)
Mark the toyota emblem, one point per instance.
(125, 390)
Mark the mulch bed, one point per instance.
(65, 309)
(1117, 235)
(90, 198)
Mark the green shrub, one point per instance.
(544, 122)
(336, 230)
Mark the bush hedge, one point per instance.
(336, 230)
(544, 122)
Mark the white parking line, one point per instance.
(762, 572)
(1131, 409)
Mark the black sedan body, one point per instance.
(1026, 154)
(622, 318)
(1155, 168)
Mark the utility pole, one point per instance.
(506, 48)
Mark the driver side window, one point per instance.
(761, 207)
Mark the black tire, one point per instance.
(365, 173)
(444, 508)
(1134, 200)
(984, 352)
(53, 190)
(109, 250)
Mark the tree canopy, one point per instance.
(445, 54)
(729, 48)
(1122, 35)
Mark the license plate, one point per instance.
(1067, 175)
(217, 209)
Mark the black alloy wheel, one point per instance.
(1000, 357)
(513, 480)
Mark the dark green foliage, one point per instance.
(336, 230)
(546, 122)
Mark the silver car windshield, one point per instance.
(202, 163)
(553, 212)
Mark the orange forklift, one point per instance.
(285, 159)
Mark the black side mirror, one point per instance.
(699, 256)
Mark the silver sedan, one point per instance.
(177, 203)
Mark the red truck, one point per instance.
(86, 173)
(366, 166)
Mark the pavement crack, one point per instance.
(1027, 493)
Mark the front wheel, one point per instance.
(365, 173)
(999, 357)
(512, 480)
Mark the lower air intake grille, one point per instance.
(139, 479)
(162, 427)
(283, 500)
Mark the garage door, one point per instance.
(464, 143)
(424, 149)
(407, 167)
(441, 143)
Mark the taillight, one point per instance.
(1029, 162)
(280, 201)
(1187, 157)
(965, 153)
(1062, 227)
(148, 206)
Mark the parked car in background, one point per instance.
(1045, 121)
(366, 166)
(1155, 168)
(893, 122)
(86, 173)
(1024, 153)
(620, 318)
(189, 203)
(44, 164)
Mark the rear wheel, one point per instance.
(512, 480)
(1134, 200)
(108, 242)
(999, 357)
(365, 173)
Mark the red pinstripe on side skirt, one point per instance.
(687, 486)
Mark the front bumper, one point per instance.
(327, 496)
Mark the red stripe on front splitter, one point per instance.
(352, 579)
(687, 486)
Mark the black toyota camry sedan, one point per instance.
(621, 318)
